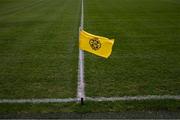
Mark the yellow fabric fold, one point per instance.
(98, 45)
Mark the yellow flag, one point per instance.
(98, 45)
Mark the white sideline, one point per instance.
(45, 100)
(80, 88)
(131, 98)
(95, 99)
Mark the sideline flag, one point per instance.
(98, 45)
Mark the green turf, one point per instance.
(38, 48)
(39, 53)
(119, 106)
(146, 54)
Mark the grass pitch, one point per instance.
(146, 53)
(39, 53)
(38, 48)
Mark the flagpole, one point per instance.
(82, 14)
(81, 93)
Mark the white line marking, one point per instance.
(45, 100)
(80, 89)
(132, 98)
(95, 99)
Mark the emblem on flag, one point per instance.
(95, 44)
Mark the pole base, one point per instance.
(82, 101)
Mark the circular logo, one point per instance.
(95, 44)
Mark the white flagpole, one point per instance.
(80, 91)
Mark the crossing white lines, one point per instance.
(81, 86)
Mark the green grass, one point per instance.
(38, 48)
(146, 53)
(168, 105)
(39, 53)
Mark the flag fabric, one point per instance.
(98, 45)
